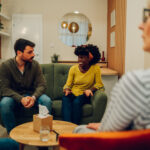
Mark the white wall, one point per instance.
(52, 11)
(134, 55)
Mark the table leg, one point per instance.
(21, 146)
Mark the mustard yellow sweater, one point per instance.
(78, 82)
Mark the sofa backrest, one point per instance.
(60, 77)
(48, 72)
(56, 76)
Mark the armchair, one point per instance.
(124, 140)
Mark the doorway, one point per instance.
(29, 27)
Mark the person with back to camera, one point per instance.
(83, 80)
(22, 83)
(129, 107)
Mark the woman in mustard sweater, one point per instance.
(83, 80)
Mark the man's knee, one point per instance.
(7, 103)
(45, 99)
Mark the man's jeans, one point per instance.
(8, 104)
(72, 107)
(8, 144)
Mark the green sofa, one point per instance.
(56, 75)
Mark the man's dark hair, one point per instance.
(20, 45)
(86, 49)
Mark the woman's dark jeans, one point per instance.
(72, 107)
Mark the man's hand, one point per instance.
(93, 126)
(88, 93)
(25, 101)
(28, 101)
(31, 103)
(67, 92)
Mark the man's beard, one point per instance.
(27, 60)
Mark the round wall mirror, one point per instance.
(75, 29)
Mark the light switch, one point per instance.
(113, 18)
(112, 39)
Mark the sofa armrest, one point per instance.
(99, 102)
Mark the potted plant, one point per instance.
(54, 58)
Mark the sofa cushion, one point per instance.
(87, 109)
(60, 77)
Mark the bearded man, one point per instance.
(21, 83)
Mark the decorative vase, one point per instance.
(103, 57)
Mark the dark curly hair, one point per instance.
(85, 49)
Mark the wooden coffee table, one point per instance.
(25, 135)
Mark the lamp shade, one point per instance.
(73, 27)
(64, 24)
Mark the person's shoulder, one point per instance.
(35, 63)
(144, 77)
(139, 74)
(128, 82)
(74, 67)
(135, 76)
(8, 62)
(95, 67)
(146, 73)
